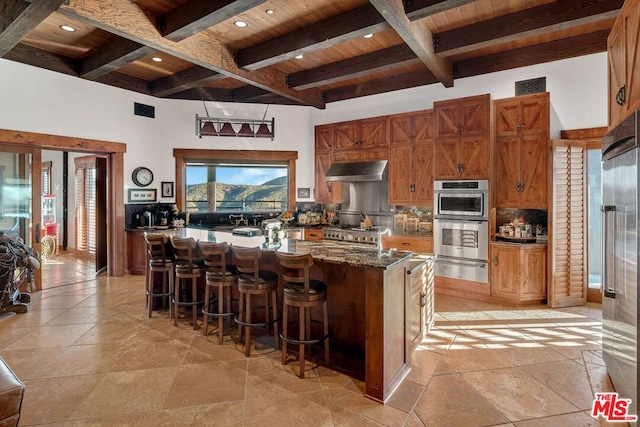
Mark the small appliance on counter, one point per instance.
(246, 231)
(272, 228)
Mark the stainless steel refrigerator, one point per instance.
(620, 155)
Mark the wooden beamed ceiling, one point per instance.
(417, 42)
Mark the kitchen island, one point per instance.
(367, 297)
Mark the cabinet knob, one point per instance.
(423, 299)
(621, 95)
(495, 260)
(329, 188)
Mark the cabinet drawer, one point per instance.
(408, 243)
(312, 234)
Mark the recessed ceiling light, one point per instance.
(156, 59)
(299, 56)
(240, 24)
(368, 36)
(67, 28)
(269, 11)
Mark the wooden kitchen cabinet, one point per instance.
(411, 158)
(421, 301)
(362, 134)
(136, 253)
(623, 51)
(461, 137)
(518, 271)
(324, 137)
(404, 242)
(521, 165)
(326, 192)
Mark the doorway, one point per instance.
(113, 155)
(74, 212)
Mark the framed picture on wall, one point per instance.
(137, 195)
(167, 189)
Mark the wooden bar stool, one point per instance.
(254, 282)
(220, 276)
(186, 269)
(159, 262)
(303, 293)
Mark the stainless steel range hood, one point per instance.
(358, 171)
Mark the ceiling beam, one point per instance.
(535, 21)
(387, 84)
(18, 18)
(206, 93)
(183, 80)
(418, 36)
(380, 60)
(571, 47)
(586, 44)
(418, 9)
(320, 35)
(126, 19)
(111, 57)
(196, 15)
(42, 59)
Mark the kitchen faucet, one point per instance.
(239, 219)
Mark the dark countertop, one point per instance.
(411, 233)
(332, 252)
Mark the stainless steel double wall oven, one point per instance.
(461, 229)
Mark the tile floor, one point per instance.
(88, 355)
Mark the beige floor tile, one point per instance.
(577, 419)
(528, 355)
(405, 396)
(126, 393)
(517, 395)
(424, 364)
(567, 378)
(267, 376)
(55, 399)
(51, 336)
(34, 317)
(466, 358)
(85, 359)
(206, 349)
(81, 315)
(153, 354)
(142, 419)
(308, 408)
(111, 330)
(599, 378)
(357, 403)
(450, 401)
(342, 417)
(33, 363)
(225, 414)
(207, 383)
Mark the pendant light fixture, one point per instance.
(249, 128)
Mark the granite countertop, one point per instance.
(428, 234)
(358, 255)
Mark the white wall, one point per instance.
(37, 100)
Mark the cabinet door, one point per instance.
(474, 116)
(506, 173)
(423, 174)
(373, 133)
(447, 118)
(417, 308)
(505, 266)
(616, 56)
(324, 137)
(400, 130)
(136, 253)
(326, 192)
(346, 136)
(446, 158)
(534, 169)
(422, 126)
(474, 157)
(400, 175)
(534, 114)
(534, 274)
(507, 117)
(632, 48)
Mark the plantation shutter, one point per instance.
(85, 205)
(46, 177)
(568, 237)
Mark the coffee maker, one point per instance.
(272, 230)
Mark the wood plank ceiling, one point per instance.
(300, 52)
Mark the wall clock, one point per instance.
(142, 176)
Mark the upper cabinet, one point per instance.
(411, 158)
(521, 164)
(362, 134)
(325, 192)
(623, 54)
(462, 137)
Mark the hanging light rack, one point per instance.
(248, 128)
